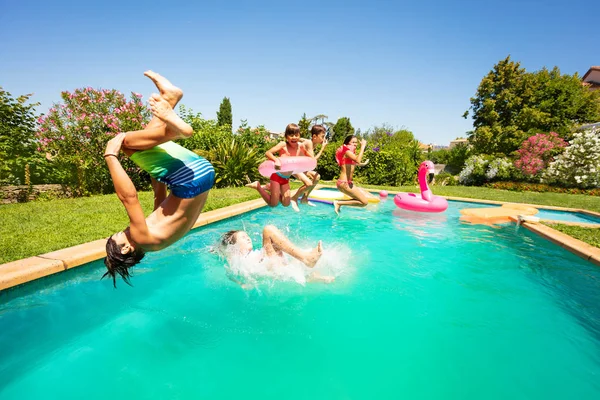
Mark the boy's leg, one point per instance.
(314, 175)
(160, 192)
(305, 184)
(158, 130)
(173, 127)
(275, 242)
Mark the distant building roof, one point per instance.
(592, 78)
(590, 126)
(457, 141)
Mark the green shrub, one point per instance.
(393, 167)
(327, 166)
(445, 179)
(235, 163)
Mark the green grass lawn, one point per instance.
(29, 229)
(34, 228)
(587, 235)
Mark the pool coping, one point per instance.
(18, 272)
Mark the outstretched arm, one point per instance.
(126, 191)
(322, 148)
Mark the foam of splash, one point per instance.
(253, 272)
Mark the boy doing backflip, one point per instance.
(188, 176)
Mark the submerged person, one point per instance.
(188, 176)
(238, 244)
(348, 160)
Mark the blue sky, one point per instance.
(401, 63)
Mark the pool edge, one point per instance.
(18, 272)
(28, 269)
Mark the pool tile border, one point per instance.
(575, 246)
(28, 269)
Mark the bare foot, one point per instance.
(313, 256)
(253, 185)
(294, 204)
(336, 207)
(305, 201)
(162, 110)
(168, 91)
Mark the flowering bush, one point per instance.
(499, 169)
(257, 138)
(74, 135)
(537, 151)
(579, 165)
(474, 171)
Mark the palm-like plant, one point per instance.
(234, 163)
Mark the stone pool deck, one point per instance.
(21, 271)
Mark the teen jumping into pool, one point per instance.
(347, 160)
(188, 176)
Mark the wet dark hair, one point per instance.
(118, 263)
(292, 129)
(348, 139)
(317, 129)
(229, 238)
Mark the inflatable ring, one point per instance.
(289, 165)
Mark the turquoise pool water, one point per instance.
(422, 307)
(567, 216)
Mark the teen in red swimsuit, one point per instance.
(347, 160)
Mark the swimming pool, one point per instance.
(423, 307)
(567, 216)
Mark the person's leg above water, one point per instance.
(275, 243)
(315, 177)
(164, 117)
(306, 182)
(359, 199)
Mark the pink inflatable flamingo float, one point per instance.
(426, 201)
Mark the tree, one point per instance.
(341, 129)
(511, 104)
(224, 116)
(304, 125)
(316, 118)
(17, 136)
(207, 132)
